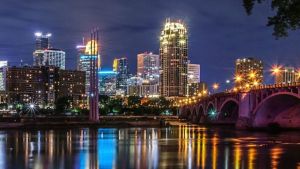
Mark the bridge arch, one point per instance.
(211, 112)
(229, 111)
(279, 109)
(201, 114)
(193, 116)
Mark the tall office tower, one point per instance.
(42, 41)
(193, 78)
(44, 55)
(3, 67)
(148, 67)
(173, 59)
(83, 62)
(107, 82)
(286, 75)
(248, 72)
(121, 67)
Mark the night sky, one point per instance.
(219, 31)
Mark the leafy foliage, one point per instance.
(287, 15)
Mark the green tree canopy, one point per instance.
(287, 15)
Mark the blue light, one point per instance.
(83, 57)
(107, 72)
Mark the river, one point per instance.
(170, 147)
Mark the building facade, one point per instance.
(173, 59)
(120, 65)
(84, 61)
(107, 82)
(148, 67)
(286, 75)
(43, 85)
(248, 72)
(44, 55)
(3, 67)
(193, 78)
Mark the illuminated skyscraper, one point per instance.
(148, 67)
(121, 67)
(248, 72)
(107, 82)
(83, 62)
(173, 59)
(193, 78)
(3, 67)
(46, 56)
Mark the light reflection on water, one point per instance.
(173, 147)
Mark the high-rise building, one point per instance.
(3, 66)
(148, 67)
(44, 55)
(121, 67)
(286, 75)
(43, 85)
(84, 61)
(173, 59)
(248, 72)
(193, 78)
(42, 41)
(107, 82)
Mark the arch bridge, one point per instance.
(265, 106)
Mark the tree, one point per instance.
(134, 101)
(287, 15)
(62, 104)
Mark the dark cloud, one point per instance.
(219, 30)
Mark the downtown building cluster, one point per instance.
(43, 82)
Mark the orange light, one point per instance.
(238, 78)
(276, 69)
(215, 86)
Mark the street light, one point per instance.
(276, 69)
(215, 86)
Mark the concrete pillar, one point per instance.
(245, 107)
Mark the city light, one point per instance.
(38, 34)
(238, 78)
(215, 86)
(276, 69)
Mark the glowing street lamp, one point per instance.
(238, 78)
(215, 86)
(276, 69)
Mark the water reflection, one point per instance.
(178, 147)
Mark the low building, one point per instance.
(43, 85)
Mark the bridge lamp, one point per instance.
(227, 81)
(276, 69)
(215, 86)
(238, 78)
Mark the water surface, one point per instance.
(172, 147)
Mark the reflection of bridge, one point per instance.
(257, 108)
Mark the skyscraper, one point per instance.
(286, 75)
(3, 66)
(84, 61)
(193, 78)
(121, 67)
(107, 82)
(148, 67)
(248, 72)
(44, 55)
(173, 59)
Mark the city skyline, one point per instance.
(214, 44)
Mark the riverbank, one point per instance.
(71, 122)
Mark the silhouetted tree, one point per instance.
(287, 15)
(62, 104)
